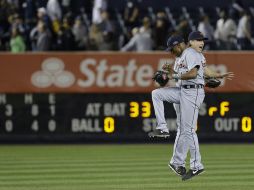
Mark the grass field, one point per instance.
(113, 167)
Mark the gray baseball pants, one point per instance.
(187, 103)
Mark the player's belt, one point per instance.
(186, 86)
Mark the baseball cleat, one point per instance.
(192, 173)
(179, 170)
(158, 133)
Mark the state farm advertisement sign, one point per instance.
(106, 72)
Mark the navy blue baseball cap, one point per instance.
(196, 35)
(173, 41)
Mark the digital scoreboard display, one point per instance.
(47, 117)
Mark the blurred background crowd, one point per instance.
(120, 25)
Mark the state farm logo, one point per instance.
(95, 73)
(52, 73)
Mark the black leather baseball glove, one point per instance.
(161, 77)
(212, 82)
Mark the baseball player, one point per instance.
(189, 69)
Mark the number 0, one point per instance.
(109, 125)
(246, 124)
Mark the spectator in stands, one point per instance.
(218, 34)
(17, 43)
(33, 36)
(207, 29)
(225, 32)
(108, 29)
(21, 14)
(95, 37)
(106, 25)
(160, 31)
(146, 26)
(80, 33)
(108, 42)
(65, 37)
(17, 22)
(43, 16)
(131, 14)
(141, 41)
(183, 28)
(244, 31)
(43, 39)
(98, 7)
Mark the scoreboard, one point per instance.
(111, 117)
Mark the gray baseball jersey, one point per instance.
(189, 59)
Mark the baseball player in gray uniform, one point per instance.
(189, 69)
(176, 46)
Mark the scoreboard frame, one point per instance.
(116, 117)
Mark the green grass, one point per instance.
(116, 167)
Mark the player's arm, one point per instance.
(212, 74)
(192, 74)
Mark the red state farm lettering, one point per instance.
(104, 75)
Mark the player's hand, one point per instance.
(170, 73)
(166, 67)
(228, 75)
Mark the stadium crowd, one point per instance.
(73, 25)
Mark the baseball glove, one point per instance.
(212, 82)
(161, 77)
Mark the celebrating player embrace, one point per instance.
(189, 71)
